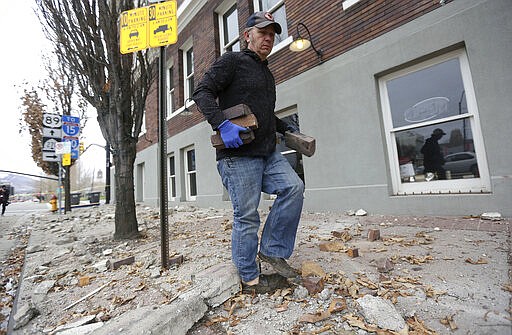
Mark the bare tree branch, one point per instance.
(86, 34)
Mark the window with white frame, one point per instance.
(172, 178)
(190, 174)
(278, 11)
(170, 92)
(229, 35)
(140, 182)
(143, 129)
(432, 128)
(188, 72)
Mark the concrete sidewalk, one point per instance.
(438, 269)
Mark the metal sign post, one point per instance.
(154, 26)
(162, 132)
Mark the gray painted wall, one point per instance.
(338, 103)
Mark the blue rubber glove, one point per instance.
(230, 134)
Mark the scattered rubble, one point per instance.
(361, 275)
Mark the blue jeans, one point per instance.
(245, 178)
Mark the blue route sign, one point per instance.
(70, 132)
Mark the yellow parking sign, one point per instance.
(163, 24)
(133, 30)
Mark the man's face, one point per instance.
(261, 40)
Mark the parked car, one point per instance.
(461, 163)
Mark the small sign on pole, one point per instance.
(66, 159)
(63, 148)
(133, 32)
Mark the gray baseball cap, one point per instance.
(263, 19)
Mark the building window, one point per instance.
(140, 182)
(278, 11)
(228, 24)
(188, 67)
(190, 174)
(293, 157)
(349, 3)
(170, 92)
(172, 178)
(432, 130)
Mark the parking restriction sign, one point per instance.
(148, 27)
(133, 30)
(163, 24)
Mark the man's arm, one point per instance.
(217, 78)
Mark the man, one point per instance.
(4, 198)
(433, 159)
(248, 169)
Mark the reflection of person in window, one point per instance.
(433, 159)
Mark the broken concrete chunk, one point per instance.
(65, 240)
(82, 330)
(361, 212)
(44, 287)
(80, 322)
(382, 313)
(24, 315)
(384, 265)
(300, 293)
(102, 266)
(155, 273)
(217, 284)
(107, 252)
(34, 248)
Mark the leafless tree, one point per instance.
(86, 33)
(57, 94)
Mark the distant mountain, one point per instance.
(21, 184)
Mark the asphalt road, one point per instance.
(10, 219)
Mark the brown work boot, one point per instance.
(267, 284)
(279, 265)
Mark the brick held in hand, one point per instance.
(217, 143)
(236, 111)
(303, 144)
(242, 116)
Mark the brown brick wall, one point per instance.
(336, 31)
(333, 30)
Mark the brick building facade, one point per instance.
(361, 101)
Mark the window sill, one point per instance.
(180, 110)
(281, 45)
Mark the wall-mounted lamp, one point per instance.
(186, 111)
(301, 44)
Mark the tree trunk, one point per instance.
(126, 226)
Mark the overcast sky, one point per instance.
(23, 44)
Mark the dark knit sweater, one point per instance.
(235, 78)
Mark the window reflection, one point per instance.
(437, 152)
(432, 93)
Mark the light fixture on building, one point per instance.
(186, 111)
(301, 43)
